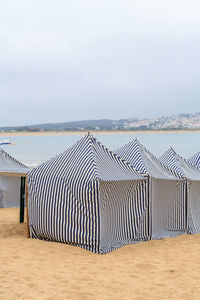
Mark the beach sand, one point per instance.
(82, 132)
(34, 269)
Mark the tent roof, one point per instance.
(9, 166)
(135, 153)
(88, 160)
(195, 160)
(179, 166)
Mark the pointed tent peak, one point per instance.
(89, 134)
(9, 163)
(141, 158)
(195, 156)
(92, 160)
(171, 150)
(178, 156)
(137, 160)
(136, 142)
(142, 149)
(114, 165)
(133, 143)
(8, 156)
(79, 156)
(194, 160)
(87, 138)
(187, 170)
(172, 161)
(198, 153)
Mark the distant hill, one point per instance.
(175, 122)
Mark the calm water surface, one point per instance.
(37, 149)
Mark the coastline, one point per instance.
(83, 132)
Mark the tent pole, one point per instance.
(27, 217)
(22, 191)
(187, 204)
(149, 209)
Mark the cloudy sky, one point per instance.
(75, 60)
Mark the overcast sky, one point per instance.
(85, 59)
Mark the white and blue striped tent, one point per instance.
(88, 197)
(11, 171)
(183, 169)
(195, 160)
(167, 211)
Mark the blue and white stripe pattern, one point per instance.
(179, 166)
(132, 152)
(195, 160)
(191, 175)
(124, 213)
(10, 185)
(10, 164)
(167, 211)
(144, 161)
(84, 195)
(169, 159)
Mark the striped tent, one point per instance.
(182, 168)
(11, 172)
(167, 211)
(88, 197)
(195, 160)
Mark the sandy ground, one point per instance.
(42, 133)
(34, 269)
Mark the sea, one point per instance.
(33, 150)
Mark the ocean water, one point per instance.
(37, 149)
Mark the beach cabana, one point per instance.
(195, 160)
(12, 182)
(88, 197)
(167, 210)
(182, 168)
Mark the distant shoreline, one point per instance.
(83, 132)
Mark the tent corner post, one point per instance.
(22, 194)
(27, 216)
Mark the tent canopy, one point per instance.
(89, 197)
(9, 166)
(195, 160)
(179, 166)
(12, 182)
(191, 175)
(143, 160)
(167, 207)
(93, 162)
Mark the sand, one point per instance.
(82, 132)
(34, 269)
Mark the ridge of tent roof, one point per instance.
(90, 160)
(124, 151)
(8, 159)
(117, 160)
(169, 159)
(6, 155)
(195, 160)
(179, 165)
(141, 158)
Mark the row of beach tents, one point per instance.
(100, 200)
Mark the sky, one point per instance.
(71, 60)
